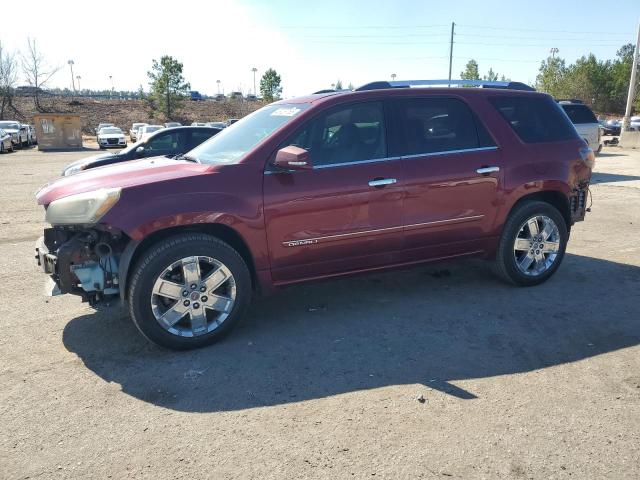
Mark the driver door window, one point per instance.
(346, 135)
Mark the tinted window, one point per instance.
(166, 142)
(535, 119)
(199, 136)
(347, 134)
(430, 125)
(580, 114)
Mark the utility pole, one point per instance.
(393, 77)
(632, 83)
(73, 84)
(453, 27)
(254, 70)
(78, 77)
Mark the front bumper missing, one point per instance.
(72, 265)
(48, 263)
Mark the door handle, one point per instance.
(485, 170)
(381, 182)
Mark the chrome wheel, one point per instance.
(193, 296)
(536, 245)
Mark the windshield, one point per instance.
(110, 130)
(149, 129)
(232, 143)
(9, 125)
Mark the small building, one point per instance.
(58, 131)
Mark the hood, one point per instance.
(11, 130)
(123, 175)
(111, 135)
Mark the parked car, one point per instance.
(612, 127)
(634, 123)
(198, 124)
(195, 96)
(111, 137)
(167, 142)
(236, 95)
(220, 97)
(6, 144)
(32, 135)
(251, 98)
(19, 134)
(145, 131)
(133, 132)
(584, 121)
(217, 124)
(172, 124)
(230, 121)
(318, 187)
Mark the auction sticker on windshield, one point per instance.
(285, 112)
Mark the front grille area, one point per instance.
(112, 141)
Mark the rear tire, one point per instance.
(532, 244)
(176, 308)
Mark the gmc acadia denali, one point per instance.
(316, 187)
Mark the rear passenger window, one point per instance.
(199, 137)
(579, 113)
(535, 118)
(347, 134)
(432, 125)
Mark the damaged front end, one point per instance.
(81, 261)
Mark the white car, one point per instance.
(634, 123)
(133, 132)
(198, 124)
(145, 131)
(111, 137)
(19, 134)
(172, 124)
(585, 122)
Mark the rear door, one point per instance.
(452, 168)
(346, 213)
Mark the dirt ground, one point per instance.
(323, 380)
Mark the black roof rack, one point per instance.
(431, 83)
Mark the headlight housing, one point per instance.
(82, 208)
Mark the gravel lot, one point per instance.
(323, 380)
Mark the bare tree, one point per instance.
(8, 78)
(36, 70)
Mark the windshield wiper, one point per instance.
(187, 158)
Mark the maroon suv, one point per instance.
(316, 187)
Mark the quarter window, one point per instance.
(431, 125)
(345, 135)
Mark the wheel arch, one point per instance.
(227, 234)
(555, 198)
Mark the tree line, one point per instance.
(601, 84)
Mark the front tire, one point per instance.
(532, 244)
(189, 291)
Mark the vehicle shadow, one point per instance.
(427, 326)
(600, 177)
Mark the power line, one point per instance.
(353, 27)
(482, 35)
(487, 27)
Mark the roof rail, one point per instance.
(569, 100)
(431, 83)
(330, 90)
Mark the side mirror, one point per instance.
(293, 158)
(139, 151)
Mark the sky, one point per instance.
(312, 44)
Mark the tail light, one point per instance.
(587, 156)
